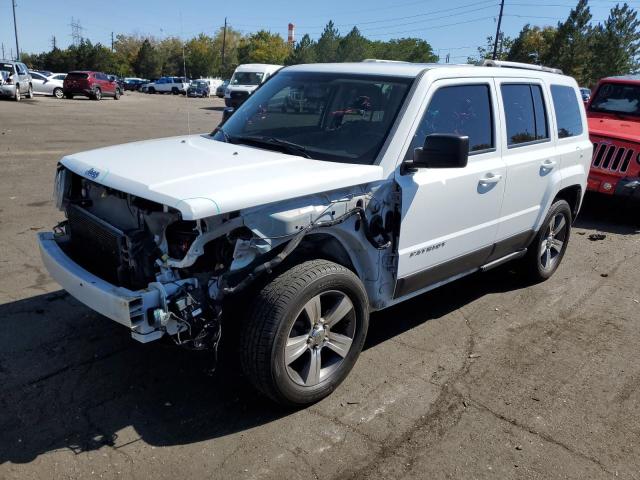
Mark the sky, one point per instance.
(453, 27)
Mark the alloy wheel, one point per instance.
(552, 244)
(320, 338)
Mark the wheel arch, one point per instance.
(573, 196)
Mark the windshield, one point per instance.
(247, 78)
(329, 116)
(199, 84)
(618, 98)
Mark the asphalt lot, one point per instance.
(485, 378)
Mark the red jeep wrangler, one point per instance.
(614, 127)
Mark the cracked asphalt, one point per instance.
(484, 378)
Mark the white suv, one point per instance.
(334, 191)
(173, 85)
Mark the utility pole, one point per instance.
(112, 41)
(224, 42)
(495, 43)
(2, 50)
(15, 28)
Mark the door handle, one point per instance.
(549, 164)
(490, 179)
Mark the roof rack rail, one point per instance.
(380, 60)
(523, 66)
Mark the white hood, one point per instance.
(202, 177)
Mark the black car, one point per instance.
(198, 88)
(134, 84)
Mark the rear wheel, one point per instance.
(30, 91)
(175, 91)
(58, 93)
(151, 90)
(548, 247)
(68, 96)
(305, 332)
(116, 96)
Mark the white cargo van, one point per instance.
(246, 78)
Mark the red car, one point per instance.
(94, 85)
(613, 113)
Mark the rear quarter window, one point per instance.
(568, 116)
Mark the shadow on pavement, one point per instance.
(72, 379)
(610, 215)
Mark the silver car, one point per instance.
(47, 85)
(15, 80)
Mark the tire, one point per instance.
(30, 92)
(97, 94)
(18, 95)
(116, 96)
(151, 90)
(68, 96)
(58, 93)
(296, 307)
(175, 91)
(549, 245)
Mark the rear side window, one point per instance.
(461, 110)
(525, 113)
(565, 104)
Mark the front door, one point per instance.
(450, 215)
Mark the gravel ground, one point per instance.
(485, 378)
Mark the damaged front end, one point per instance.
(140, 264)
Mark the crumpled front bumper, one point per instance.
(127, 307)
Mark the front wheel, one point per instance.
(97, 94)
(18, 95)
(550, 244)
(58, 93)
(305, 332)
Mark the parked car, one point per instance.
(134, 84)
(175, 85)
(47, 85)
(94, 85)
(585, 93)
(198, 88)
(246, 78)
(58, 76)
(295, 228)
(118, 80)
(614, 125)
(15, 80)
(221, 89)
(45, 73)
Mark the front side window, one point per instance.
(463, 110)
(327, 116)
(525, 113)
(247, 78)
(568, 116)
(617, 98)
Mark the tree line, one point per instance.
(201, 56)
(577, 46)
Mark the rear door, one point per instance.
(450, 215)
(529, 152)
(23, 77)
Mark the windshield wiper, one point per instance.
(272, 141)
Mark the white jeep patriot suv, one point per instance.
(334, 191)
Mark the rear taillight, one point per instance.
(9, 81)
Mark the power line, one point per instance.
(76, 31)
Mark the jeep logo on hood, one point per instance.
(92, 173)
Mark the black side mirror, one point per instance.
(440, 150)
(226, 114)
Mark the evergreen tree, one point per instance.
(148, 63)
(303, 52)
(327, 46)
(353, 47)
(570, 49)
(616, 44)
